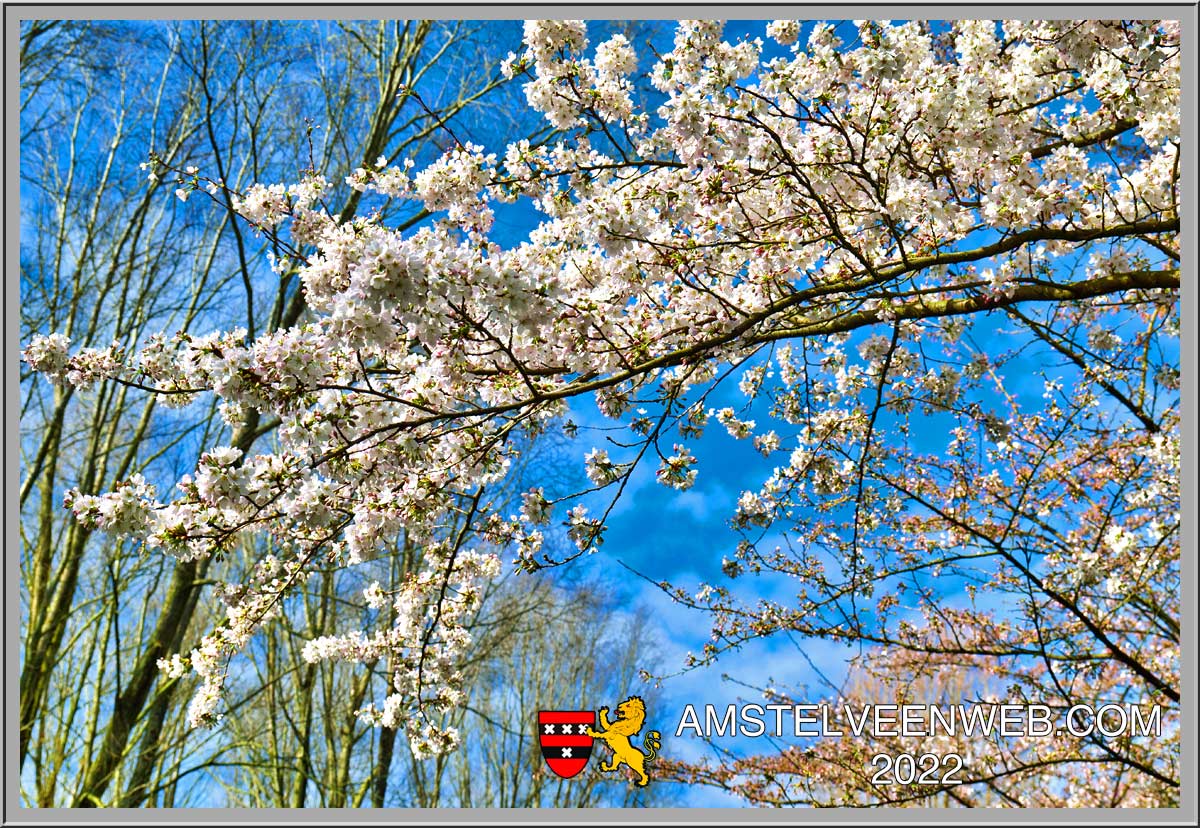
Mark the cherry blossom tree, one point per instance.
(941, 259)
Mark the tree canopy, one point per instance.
(942, 260)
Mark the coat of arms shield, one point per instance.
(563, 735)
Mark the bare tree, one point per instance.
(108, 255)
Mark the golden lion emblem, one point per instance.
(631, 715)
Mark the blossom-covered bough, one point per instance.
(848, 228)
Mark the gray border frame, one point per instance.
(15, 814)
